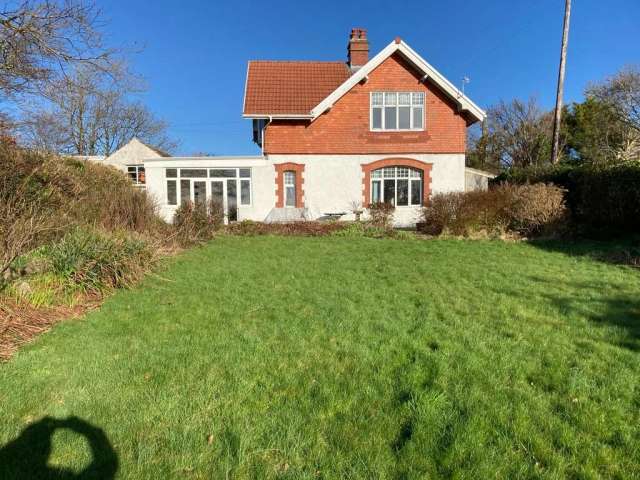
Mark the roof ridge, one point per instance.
(337, 62)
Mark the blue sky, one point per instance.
(194, 53)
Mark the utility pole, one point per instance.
(563, 60)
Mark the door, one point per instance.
(232, 199)
(218, 197)
(224, 195)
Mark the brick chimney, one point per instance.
(358, 49)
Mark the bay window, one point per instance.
(397, 111)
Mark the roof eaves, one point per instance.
(278, 115)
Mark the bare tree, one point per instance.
(621, 92)
(89, 113)
(516, 134)
(41, 39)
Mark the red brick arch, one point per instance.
(367, 168)
(293, 167)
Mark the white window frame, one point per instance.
(413, 174)
(137, 169)
(207, 179)
(285, 185)
(411, 106)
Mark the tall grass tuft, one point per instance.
(94, 260)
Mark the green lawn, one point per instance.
(325, 358)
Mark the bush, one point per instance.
(524, 210)
(381, 214)
(43, 196)
(95, 260)
(603, 200)
(194, 223)
(534, 209)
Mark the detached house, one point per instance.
(335, 137)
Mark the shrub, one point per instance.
(95, 260)
(195, 223)
(525, 210)
(381, 214)
(536, 208)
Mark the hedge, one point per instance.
(602, 200)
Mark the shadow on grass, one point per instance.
(624, 251)
(616, 309)
(26, 457)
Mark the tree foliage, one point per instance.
(604, 129)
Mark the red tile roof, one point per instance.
(290, 87)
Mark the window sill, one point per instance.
(410, 130)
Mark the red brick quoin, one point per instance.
(396, 162)
(289, 167)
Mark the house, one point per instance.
(129, 159)
(334, 138)
(477, 179)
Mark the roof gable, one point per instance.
(463, 102)
(291, 89)
(133, 151)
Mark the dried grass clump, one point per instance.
(20, 322)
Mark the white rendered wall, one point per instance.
(331, 182)
(263, 178)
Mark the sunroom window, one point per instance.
(399, 186)
(397, 111)
(224, 184)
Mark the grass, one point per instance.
(273, 357)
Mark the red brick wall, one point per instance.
(294, 167)
(345, 127)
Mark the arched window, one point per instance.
(399, 186)
(289, 188)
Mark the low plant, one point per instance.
(93, 260)
(306, 228)
(370, 230)
(381, 214)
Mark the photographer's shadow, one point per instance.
(26, 457)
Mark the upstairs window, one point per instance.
(397, 111)
(136, 174)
